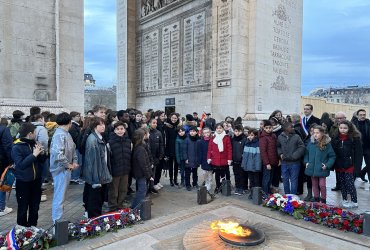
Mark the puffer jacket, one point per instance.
(251, 156)
(291, 147)
(348, 153)
(27, 166)
(96, 168)
(62, 151)
(75, 131)
(315, 158)
(141, 167)
(268, 148)
(120, 154)
(219, 159)
(156, 145)
(179, 148)
(237, 143)
(171, 135)
(190, 151)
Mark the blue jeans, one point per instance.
(140, 192)
(2, 200)
(266, 179)
(61, 182)
(77, 172)
(45, 169)
(290, 174)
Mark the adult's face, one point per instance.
(339, 118)
(361, 116)
(174, 119)
(100, 113)
(307, 110)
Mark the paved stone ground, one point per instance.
(173, 205)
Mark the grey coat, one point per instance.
(41, 135)
(291, 147)
(62, 151)
(96, 165)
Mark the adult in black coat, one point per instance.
(210, 122)
(308, 119)
(170, 150)
(241, 176)
(120, 146)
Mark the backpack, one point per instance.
(14, 128)
(82, 140)
(7, 179)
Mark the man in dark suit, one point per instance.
(308, 119)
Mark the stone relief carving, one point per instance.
(281, 13)
(150, 6)
(280, 84)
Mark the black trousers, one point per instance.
(241, 177)
(254, 179)
(173, 168)
(95, 199)
(276, 176)
(366, 169)
(158, 171)
(221, 172)
(28, 199)
(301, 179)
(347, 186)
(188, 172)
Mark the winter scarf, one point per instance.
(218, 140)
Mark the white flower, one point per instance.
(25, 243)
(3, 248)
(107, 227)
(138, 218)
(83, 230)
(106, 219)
(118, 223)
(132, 217)
(18, 231)
(97, 228)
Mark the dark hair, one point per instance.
(63, 119)
(194, 128)
(275, 120)
(309, 105)
(238, 127)
(151, 119)
(360, 110)
(35, 111)
(4, 121)
(138, 112)
(325, 118)
(96, 121)
(34, 118)
(51, 117)
(90, 111)
(74, 114)
(119, 123)
(111, 115)
(266, 123)
(287, 125)
(138, 137)
(87, 123)
(96, 108)
(25, 129)
(313, 125)
(273, 114)
(253, 131)
(238, 120)
(352, 130)
(45, 114)
(18, 114)
(173, 113)
(180, 128)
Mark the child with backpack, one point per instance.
(190, 157)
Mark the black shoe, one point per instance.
(217, 190)
(130, 191)
(323, 200)
(172, 183)
(315, 199)
(176, 183)
(363, 179)
(153, 191)
(336, 188)
(188, 188)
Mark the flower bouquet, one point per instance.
(109, 222)
(289, 204)
(25, 238)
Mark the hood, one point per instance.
(51, 125)
(37, 123)
(327, 139)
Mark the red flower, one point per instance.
(295, 204)
(126, 210)
(28, 234)
(88, 228)
(346, 223)
(94, 222)
(338, 211)
(336, 221)
(117, 216)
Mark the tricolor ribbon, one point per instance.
(119, 212)
(10, 239)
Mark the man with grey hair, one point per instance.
(339, 116)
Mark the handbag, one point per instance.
(7, 179)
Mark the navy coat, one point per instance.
(202, 146)
(190, 152)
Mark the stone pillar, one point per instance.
(70, 54)
(126, 40)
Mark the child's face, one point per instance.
(144, 119)
(246, 132)
(237, 132)
(120, 130)
(146, 136)
(206, 133)
(343, 129)
(153, 124)
(267, 129)
(181, 133)
(100, 128)
(138, 117)
(219, 129)
(174, 118)
(312, 131)
(251, 136)
(192, 132)
(317, 134)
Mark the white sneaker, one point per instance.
(156, 187)
(44, 197)
(345, 203)
(6, 211)
(354, 205)
(367, 187)
(159, 185)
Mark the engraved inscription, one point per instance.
(150, 61)
(224, 40)
(170, 55)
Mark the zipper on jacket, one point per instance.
(33, 166)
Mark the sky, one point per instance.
(335, 48)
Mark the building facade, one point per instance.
(359, 95)
(41, 55)
(227, 57)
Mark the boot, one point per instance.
(315, 199)
(171, 182)
(309, 195)
(323, 200)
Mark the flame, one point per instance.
(230, 227)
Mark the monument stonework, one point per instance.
(227, 57)
(41, 55)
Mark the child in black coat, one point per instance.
(241, 176)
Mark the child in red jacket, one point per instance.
(220, 155)
(269, 155)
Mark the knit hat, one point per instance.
(189, 117)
